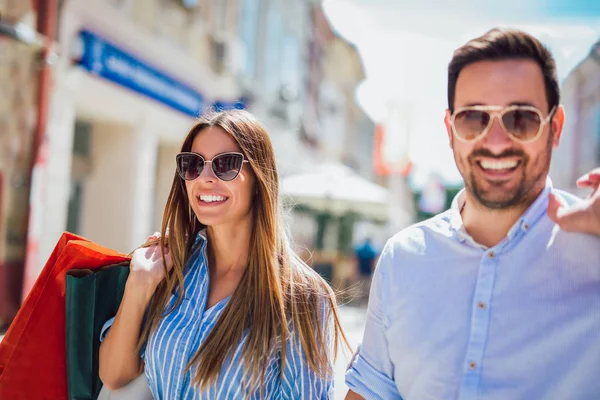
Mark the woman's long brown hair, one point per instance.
(277, 291)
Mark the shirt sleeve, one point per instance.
(371, 372)
(105, 328)
(299, 380)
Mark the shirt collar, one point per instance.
(531, 216)
(201, 238)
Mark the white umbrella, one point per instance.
(337, 189)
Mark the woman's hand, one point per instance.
(147, 268)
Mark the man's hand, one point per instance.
(584, 217)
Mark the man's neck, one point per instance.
(486, 226)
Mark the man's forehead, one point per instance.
(510, 66)
(501, 82)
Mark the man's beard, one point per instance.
(517, 197)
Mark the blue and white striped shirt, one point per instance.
(180, 334)
(451, 319)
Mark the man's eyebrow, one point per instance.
(514, 103)
(473, 105)
(522, 103)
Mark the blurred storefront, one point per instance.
(128, 79)
(20, 62)
(276, 37)
(131, 78)
(336, 198)
(433, 198)
(332, 189)
(579, 149)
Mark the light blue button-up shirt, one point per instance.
(181, 333)
(451, 319)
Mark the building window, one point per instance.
(275, 32)
(74, 210)
(81, 166)
(220, 15)
(597, 125)
(248, 25)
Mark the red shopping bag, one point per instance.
(33, 351)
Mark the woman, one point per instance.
(229, 311)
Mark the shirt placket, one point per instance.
(480, 320)
(198, 293)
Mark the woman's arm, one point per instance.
(353, 396)
(120, 363)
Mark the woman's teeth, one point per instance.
(210, 199)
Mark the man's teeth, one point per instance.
(210, 199)
(498, 165)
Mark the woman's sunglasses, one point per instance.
(523, 124)
(226, 166)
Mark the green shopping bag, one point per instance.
(92, 298)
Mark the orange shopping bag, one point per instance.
(33, 351)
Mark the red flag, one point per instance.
(383, 167)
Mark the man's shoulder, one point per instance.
(414, 238)
(414, 246)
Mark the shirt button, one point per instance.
(526, 226)
(491, 254)
(472, 365)
(481, 305)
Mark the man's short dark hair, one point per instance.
(505, 44)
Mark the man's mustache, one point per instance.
(504, 154)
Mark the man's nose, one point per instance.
(497, 139)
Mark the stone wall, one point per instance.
(18, 86)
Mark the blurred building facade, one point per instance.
(342, 135)
(18, 86)
(333, 120)
(132, 75)
(274, 34)
(579, 149)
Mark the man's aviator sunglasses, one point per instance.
(226, 166)
(523, 124)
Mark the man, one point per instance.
(495, 298)
(365, 260)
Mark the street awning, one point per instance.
(337, 189)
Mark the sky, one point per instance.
(406, 46)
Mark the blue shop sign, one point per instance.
(104, 59)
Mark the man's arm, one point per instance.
(353, 396)
(371, 371)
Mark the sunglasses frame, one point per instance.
(499, 111)
(185, 153)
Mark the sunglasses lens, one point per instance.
(522, 124)
(469, 124)
(189, 166)
(227, 166)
